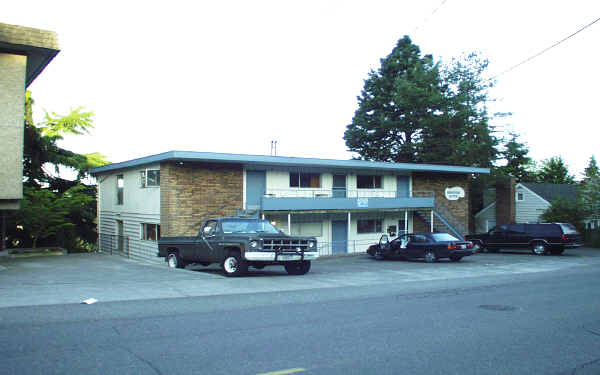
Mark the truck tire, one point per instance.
(174, 260)
(297, 268)
(234, 265)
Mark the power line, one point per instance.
(431, 15)
(544, 50)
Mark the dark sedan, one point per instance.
(429, 246)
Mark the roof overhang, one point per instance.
(40, 47)
(264, 161)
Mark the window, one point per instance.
(120, 186)
(305, 180)
(368, 182)
(520, 197)
(150, 232)
(150, 178)
(368, 226)
(307, 229)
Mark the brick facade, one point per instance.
(192, 192)
(438, 182)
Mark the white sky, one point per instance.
(230, 76)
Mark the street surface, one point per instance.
(491, 314)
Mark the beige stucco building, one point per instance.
(24, 53)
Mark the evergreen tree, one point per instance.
(409, 111)
(554, 171)
(518, 163)
(590, 189)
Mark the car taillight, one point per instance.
(470, 245)
(564, 237)
(452, 247)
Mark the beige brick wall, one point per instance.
(192, 192)
(21, 35)
(12, 101)
(438, 182)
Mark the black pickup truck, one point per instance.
(237, 243)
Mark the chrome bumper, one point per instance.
(271, 256)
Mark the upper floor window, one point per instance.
(150, 232)
(120, 186)
(520, 197)
(368, 182)
(305, 180)
(150, 178)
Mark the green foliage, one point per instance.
(410, 111)
(55, 209)
(592, 169)
(561, 211)
(554, 171)
(518, 164)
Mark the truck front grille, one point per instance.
(285, 244)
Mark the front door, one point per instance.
(256, 186)
(402, 187)
(339, 234)
(339, 186)
(206, 244)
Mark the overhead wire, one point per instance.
(544, 50)
(428, 17)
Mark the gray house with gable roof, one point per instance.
(530, 201)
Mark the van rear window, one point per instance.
(568, 228)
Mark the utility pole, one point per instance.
(273, 148)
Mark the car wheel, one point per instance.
(174, 260)
(539, 248)
(478, 246)
(430, 256)
(455, 258)
(297, 268)
(234, 265)
(557, 251)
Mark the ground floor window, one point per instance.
(307, 229)
(369, 226)
(150, 232)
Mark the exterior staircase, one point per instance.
(443, 220)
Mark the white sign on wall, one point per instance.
(454, 193)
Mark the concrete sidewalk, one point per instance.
(74, 278)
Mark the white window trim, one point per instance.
(144, 179)
(142, 232)
(522, 196)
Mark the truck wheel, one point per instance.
(297, 268)
(174, 260)
(234, 265)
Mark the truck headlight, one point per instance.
(311, 244)
(253, 244)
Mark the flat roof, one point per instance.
(40, 47)
(265, 161)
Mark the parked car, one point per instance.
(545, 238)
(237, 243)
(429, 246)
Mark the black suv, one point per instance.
(546, 238)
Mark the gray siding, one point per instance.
(138, 248)
(530, 208)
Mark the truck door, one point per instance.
(206, 243)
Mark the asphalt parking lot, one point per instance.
(74, 278)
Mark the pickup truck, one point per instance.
(238, 243)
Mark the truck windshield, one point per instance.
(247, 226)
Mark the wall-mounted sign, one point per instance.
(362, 202)
(454, 193)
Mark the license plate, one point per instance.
(288, 257)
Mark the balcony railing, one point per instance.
(315, 193)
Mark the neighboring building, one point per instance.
(525, 201)
(346, 204)
(24, 53)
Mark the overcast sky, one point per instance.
(230, 76)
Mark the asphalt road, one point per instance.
(526, 323)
